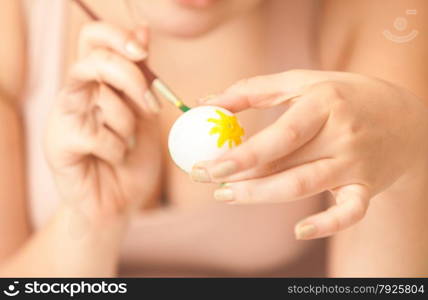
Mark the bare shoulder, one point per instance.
(386, 39)
(12, 49)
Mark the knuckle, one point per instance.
(249, 155)
(74, 72)
(89, 128)
(249, 195)
(109, 146)
(128, 125)
(117, 150)
(335, 219)
(295, 74)
(104, 56)
(324, 172)
(298, 185)
(337, 224)
(351, 133)
(330, 91)
(243, 193)
(88, 30)
(347, 140)
(273, 167)
(115, 61)
(91, 28)
(291, 134)
(245, 84)
(253, 194)
(239, 86)
(359, 210)
(351, 137)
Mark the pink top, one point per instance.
(46, 25)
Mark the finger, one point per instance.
(270, 90)
(352, 203)
(116, 114)
(130, 44)
(95, 139)
(108, 147)
(291, 131)
(115, 71)
(293, 184)
(305, 155)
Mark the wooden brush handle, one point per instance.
(150, 76)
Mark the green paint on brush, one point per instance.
(183, 108)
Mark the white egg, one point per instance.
(203, 133)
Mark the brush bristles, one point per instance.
(169, 96)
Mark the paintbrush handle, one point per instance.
(150, 76)
(87, 10)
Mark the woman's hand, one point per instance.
(346, 133)
(101, 140)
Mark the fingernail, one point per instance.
(305, 231)
(224, 194)
(200, 175)
(135, 50)
(223, 169)
(152, 102)
(131, 142)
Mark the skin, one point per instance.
(382, 165)
(96, 178)
(358, 163)
(15, 227)
(102, 222)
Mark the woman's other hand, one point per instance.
(101, 140)
(345, 133)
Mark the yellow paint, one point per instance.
(228, 129)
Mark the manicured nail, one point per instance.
(224, 194)
(305, 231)
(152, 102)
(223, 169)
(200, 175)
(135, 50)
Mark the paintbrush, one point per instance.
(154, 81)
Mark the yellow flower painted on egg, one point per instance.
(228, 129)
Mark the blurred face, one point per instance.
(189, 18)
